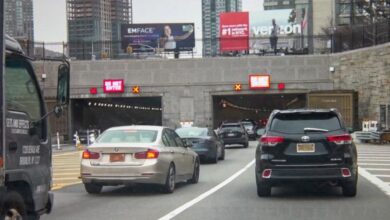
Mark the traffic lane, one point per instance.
(145, 202)
(239, 200)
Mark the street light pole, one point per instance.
(2, 96)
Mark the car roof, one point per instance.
(140, 127)
(306, 110)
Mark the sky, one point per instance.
(50, 15)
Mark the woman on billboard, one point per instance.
(168, 41)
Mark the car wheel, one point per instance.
(222, 154)
(263, 190)
(93, 188)
(215, 159)
(350, 189)
(13, 207)
(169, 185)
(195, 175)
(246, 145)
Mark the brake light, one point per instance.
(90, 155)
(345, 172)
(1, 162)
(340, 139)
(271, 140)
(266, 173)
(149, 154)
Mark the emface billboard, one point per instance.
(234, 31)
(161, 37)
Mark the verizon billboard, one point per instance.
(234, 31)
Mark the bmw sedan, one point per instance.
(204, 142)
(138, 155)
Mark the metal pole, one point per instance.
(2, 97)
(58, 141)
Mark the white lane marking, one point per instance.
(380, 160)
(382, 175)
(375, 180)
(206, 194)
(66, 154)
(375, 164)
(370, 157)
(377, 169)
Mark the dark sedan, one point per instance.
(204, 142)
(233, 133)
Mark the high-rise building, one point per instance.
(94, 26)
(210, 22)
(19, 22)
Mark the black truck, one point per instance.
(25, 147)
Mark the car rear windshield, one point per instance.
(191, 132)
(297, 122)
(128, 136)
(232, 127)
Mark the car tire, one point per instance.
(92, 188)
(263, 190)
(13, 205)
(169, 185)
(350, 189)
(246, 145)
(195, 175)
(222, 154)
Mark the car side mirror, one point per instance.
(260, 131)
(187, 144)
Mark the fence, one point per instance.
(342, 38)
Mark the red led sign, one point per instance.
(113, 86)
(281, 86)
(259, 81)
(93, 91)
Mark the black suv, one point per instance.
(233, 133)
(311, 145)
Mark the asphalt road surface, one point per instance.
(227, 190)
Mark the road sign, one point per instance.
(237, 87)
(136, 89)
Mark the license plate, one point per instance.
(117, 157)
(230, 135)
(306, 148)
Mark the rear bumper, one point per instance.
(308, 174)
(205, 153)
(240, 140)
(150, 173)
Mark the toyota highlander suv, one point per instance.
(306, 145)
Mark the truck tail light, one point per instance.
(149, 154)
(90, 155)
(340, 139)
(271, 141)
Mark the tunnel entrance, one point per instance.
(253, 106)
(104, 113)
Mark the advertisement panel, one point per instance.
(157, 37)
(234, 31)
(291, 25)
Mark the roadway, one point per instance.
(227, 190)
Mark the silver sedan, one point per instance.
(138, 154)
